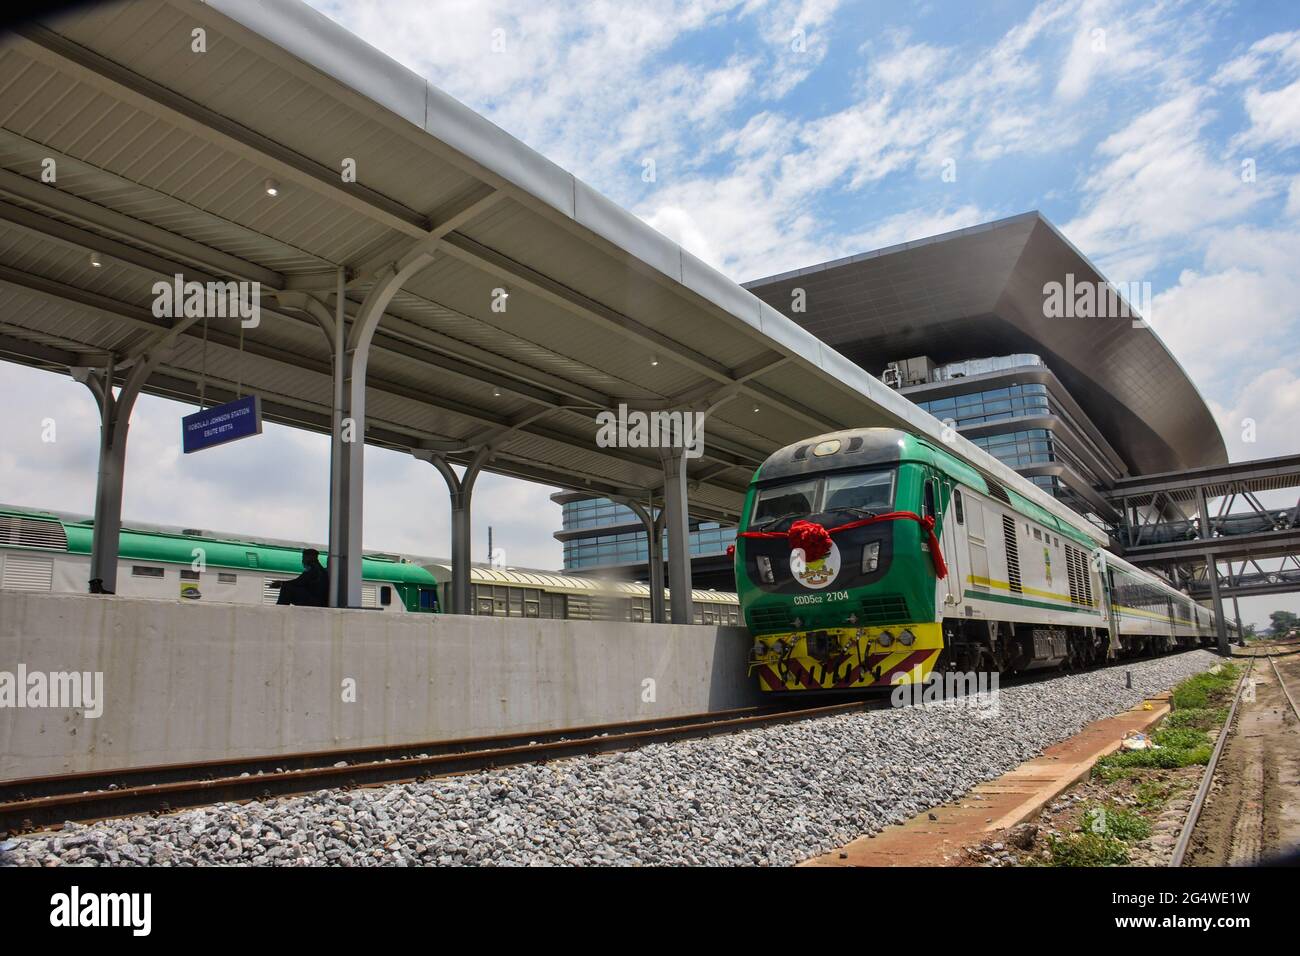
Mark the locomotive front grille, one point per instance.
(887, 609)
(772, 617)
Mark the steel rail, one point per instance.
(170, 787)
(1194, 811)
(1281, 682)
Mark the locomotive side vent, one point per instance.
(998, 492)
(33, 533)
(1076, 568)
(1013, 553)
(1072, 572)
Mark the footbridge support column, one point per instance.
(1212, 573)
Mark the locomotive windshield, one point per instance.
(854, 492)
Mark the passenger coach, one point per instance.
(41, 551)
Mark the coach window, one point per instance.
(956, 506)
(385, 595)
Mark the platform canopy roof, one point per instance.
(163, 158)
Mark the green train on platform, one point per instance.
(47, 551)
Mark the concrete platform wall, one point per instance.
(191, 681)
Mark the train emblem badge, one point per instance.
(815, 574)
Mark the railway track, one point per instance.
(39, 802)
(1207, 778)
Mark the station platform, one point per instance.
(185, 682)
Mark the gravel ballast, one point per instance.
(774, 795)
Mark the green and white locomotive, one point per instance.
(872, 556)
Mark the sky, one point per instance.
(1162, 138)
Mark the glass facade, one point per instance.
(995, 404)
(630, 547)
(1019, 449)
(1025, 447)
(596, 513)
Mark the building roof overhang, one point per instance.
(981, 292)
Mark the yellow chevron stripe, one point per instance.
(929, 637)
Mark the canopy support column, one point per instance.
(676, 520)
(114, 420)
(350, 444)
(335, 328)
(654, 530)
(461, 491)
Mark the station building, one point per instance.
(960, 324)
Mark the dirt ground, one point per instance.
(1162, 797)
(1252, 812)
(1253, 809)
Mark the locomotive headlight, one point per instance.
(779, 647)
(871, 557)
(907, 638)
(765, 569)
(760, 649)
(885, 638)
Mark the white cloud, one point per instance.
(1274, 115)
(1158, 184)
(1293, 199)
(1237, 316)
(1260, 423)
(1279, 48)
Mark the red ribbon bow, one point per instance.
(802, 534)
(811, 537)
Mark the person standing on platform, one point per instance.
(309, 589)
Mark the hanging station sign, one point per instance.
(221, 424)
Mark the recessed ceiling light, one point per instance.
(94, 260)
(272, 187)
(654, 360)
